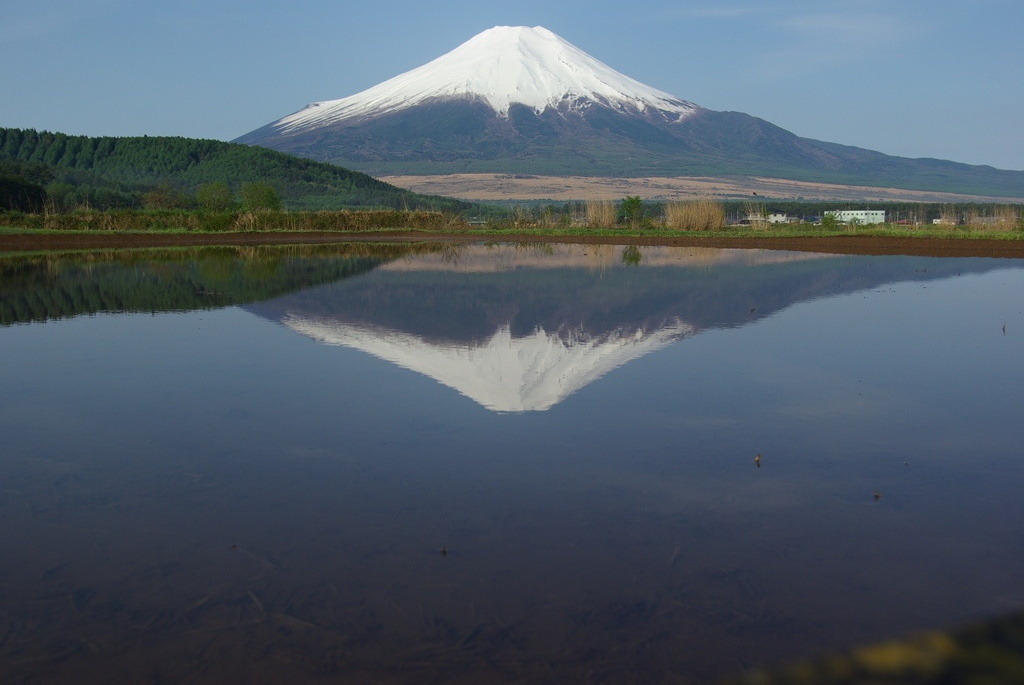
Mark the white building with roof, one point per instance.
(858, 216)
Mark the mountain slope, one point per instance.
(117, 171)
(523, 100)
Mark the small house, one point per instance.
(770, 217)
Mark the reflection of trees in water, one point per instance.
(52, 286)
(631, 255)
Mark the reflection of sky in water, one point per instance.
(214, 474)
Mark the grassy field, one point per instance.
(681, 218)
(91, 229)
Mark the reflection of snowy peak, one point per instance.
(506, 373)
(520, 328)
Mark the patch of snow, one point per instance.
(502, 66)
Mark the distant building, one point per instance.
(860, 216)
(776, 217)
(772, 217)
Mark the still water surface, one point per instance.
(499, 463)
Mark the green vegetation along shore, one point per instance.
(629, 218)
(875, 241)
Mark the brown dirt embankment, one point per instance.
(853, 244)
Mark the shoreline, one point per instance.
(839, 244)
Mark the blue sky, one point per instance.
(917, 78)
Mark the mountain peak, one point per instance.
(502, 66)
(522, 100)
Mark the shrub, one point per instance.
(632, 210)
(215, 197)
(260, 197)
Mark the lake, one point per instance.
(499, 463)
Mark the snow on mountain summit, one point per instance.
(501, 66)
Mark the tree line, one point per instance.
(174, 172)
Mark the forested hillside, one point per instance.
(110, 172)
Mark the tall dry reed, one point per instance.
(695, 215)
(948, 216)
(600, 214)
(757, 215)
(1010, 216)
(1001, 218)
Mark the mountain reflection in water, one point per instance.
(217, 466)
(521, 328)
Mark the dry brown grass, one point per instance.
(1001, 218)
(695, 215)
(184, 220)
(600, 214)
(756, 215)
(948, 216)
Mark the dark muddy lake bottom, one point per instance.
(504, 463)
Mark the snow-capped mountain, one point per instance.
(502, 67)
(521, 100)
(509, 94)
